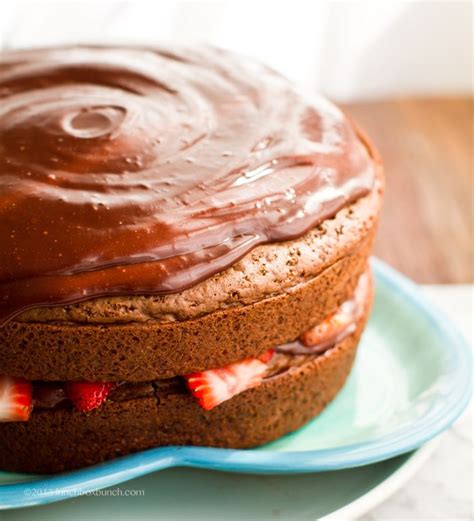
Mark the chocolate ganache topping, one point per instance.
(145, 171)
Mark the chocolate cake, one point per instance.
(184, 252)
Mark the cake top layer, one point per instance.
(143, 171)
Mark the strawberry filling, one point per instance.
(16, 401)
(87, 396)
(210, 387)
(214, 386)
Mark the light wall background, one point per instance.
(346, 50)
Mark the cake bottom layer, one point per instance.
(62, 439)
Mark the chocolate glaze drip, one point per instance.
(138, 171)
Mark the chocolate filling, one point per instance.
(48, 396)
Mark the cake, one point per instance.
(184, 252)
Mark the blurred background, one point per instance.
(403, 70)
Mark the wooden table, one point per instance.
(427, 149)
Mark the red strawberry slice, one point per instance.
(215, 386)
(16, 401)
(327, 329)
(267, 356)
(87, 396)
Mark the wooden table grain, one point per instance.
(426, 229)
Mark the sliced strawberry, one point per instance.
(267, 356)
(87, 396)
(215, 386)
(327, 329)
(16, 401)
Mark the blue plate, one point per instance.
(411, 380)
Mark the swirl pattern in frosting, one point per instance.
(145, 171)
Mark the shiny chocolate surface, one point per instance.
(145, 171)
